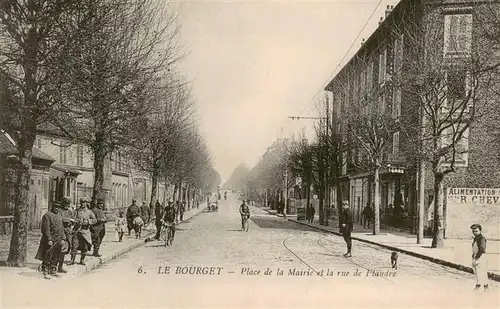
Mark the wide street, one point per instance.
(230, 271)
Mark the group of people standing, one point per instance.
(67, 231)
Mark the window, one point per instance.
(79, 155)
(398, 56)
(456, 84)
(396, 102)
(68, 186)
(457, 34)
(369, 77)
(63, 157)
(382, 66)
(395, 143)
(461, 145)
(45, 189)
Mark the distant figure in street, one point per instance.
(132, 212)
(98, 230)
(367, 215)
(158, 215)
(225, 195)
(478, 257)
(168, 220)
(145, 214)
(120, 225)
(346, 226)
(52, 242)
(245, 215)
(82, 240)
(310, 214)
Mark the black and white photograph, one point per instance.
(250, 154)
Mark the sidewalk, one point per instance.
(110, 248)
(456, 253)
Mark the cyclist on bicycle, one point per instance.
(245, 214)
(168, 220)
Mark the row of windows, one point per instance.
(63, 154)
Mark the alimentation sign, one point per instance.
(478, 196)
(466, 206)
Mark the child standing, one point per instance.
(138, 223)
(120, 225)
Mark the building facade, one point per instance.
(375, 75)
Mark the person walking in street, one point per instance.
(98, 230)
(82, 240)
(367, 215)
(158, 216)
(478, 257)
(50, 251)
(346, 226)
(132, 212)
(120, 225)
(145, 214)
(245, 215)
(310, 214)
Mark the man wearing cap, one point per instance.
(158, 216)
(132, 212)
(52, 242)
(478, 257)
(82, 241)
(98, 230)
(346, 226)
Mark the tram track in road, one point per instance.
(297, 256)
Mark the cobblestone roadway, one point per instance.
(215, 239)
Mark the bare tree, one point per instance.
(445, 74)
(31, 46)
(125, 47)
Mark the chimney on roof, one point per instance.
(388, 10)
(380, 21)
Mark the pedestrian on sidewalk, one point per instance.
(158, 216)
(98, 230)
(52, 242)
(132, 212)
(245, 215)
(310, 214)
(346, 226)
(367, 215)
(478, 257)
(120, 225)
(82, 240)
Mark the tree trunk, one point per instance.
(154, 187)
(175, 196)
(99, 158)
(376, 206)
(188, 197)
(308, 192)
(19, 239)
(421, 202)
(438, 239)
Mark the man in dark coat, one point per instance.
(98, 230)
(158, 216)
(132, 212)
(346, 226)
(310, 211)
(52, 242)
(367, 215)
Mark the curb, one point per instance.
(96, 263)
(492, 276)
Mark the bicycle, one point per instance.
(169, 231)
(246, 224)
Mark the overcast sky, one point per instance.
(254, 63)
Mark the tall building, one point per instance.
(389, 72)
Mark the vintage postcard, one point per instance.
(250, 154)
